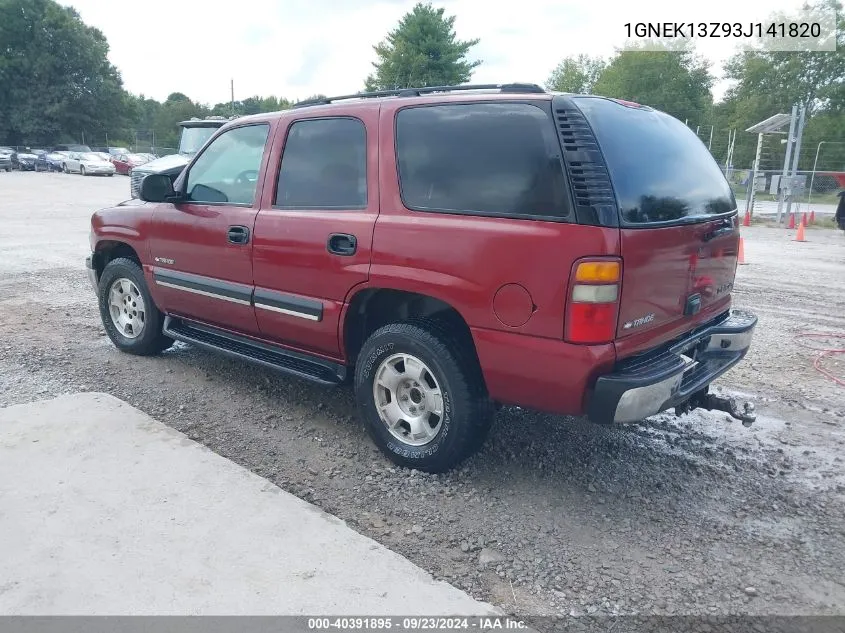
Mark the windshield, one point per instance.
(136, 158)
(660, 170)
(92, 157)
(193, 138)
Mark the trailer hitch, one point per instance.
(712, 402)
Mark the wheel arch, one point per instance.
(108, 250)
(371, 308)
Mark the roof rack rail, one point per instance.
(516, 88)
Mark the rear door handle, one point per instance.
(238, 235)
(342, 244)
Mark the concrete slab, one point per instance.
(105, 511)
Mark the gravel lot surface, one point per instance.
(696, 515)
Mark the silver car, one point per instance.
(87, 164)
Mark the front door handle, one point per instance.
(238, 235)
(342, 244)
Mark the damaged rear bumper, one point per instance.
(672, 375)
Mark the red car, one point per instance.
(447, 250)
(125, 163)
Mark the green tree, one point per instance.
(251, 105)
(423, 50)
(770, 82)
(677, 82)
(176, 108)
(576, 74)
(55, 78)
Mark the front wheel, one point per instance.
(421, 396)
(81, 170)
(131, 319)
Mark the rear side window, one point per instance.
(661, 171)
(500, 159)
(324, 165)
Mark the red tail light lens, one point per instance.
(593, 305)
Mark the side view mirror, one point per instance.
(157, 188)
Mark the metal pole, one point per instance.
(789, 141)
(232, 87)
(749, 203)
(710, 144)
(813, 176)
(795, 157)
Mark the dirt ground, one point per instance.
(696, 515)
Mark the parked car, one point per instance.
(88, 164)
(444, 250)
(6, 158)
(26, 161)
(194, 133)
(125, 163)
(51, 161)
(12, 155)
(104, 155)
(117, 151)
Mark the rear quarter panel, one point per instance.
(465, 260)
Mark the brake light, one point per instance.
(593, 305)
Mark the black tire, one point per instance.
(151, 340)
(468, 412)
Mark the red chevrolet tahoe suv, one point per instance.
(448, 250)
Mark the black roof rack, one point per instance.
(416, 92)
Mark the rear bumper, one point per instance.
(664, 378)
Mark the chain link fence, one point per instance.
(816, 191)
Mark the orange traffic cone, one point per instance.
(804, 219)
(791, 221)
(746, 220)
(812, 217)
(741, 254)
(799, 237)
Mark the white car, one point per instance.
(87, 164)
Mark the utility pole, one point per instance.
(790, 139)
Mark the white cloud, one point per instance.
(297, 48)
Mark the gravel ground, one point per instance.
(696, 515)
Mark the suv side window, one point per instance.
(497, 159)
(324, 165)
(227, 171)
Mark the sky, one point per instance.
(298, 48)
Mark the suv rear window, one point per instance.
(498, 159)
(661, 171)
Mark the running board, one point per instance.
(294, 363)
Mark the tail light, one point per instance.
(593, 306)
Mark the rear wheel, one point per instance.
(421, 396)
(131, 319)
